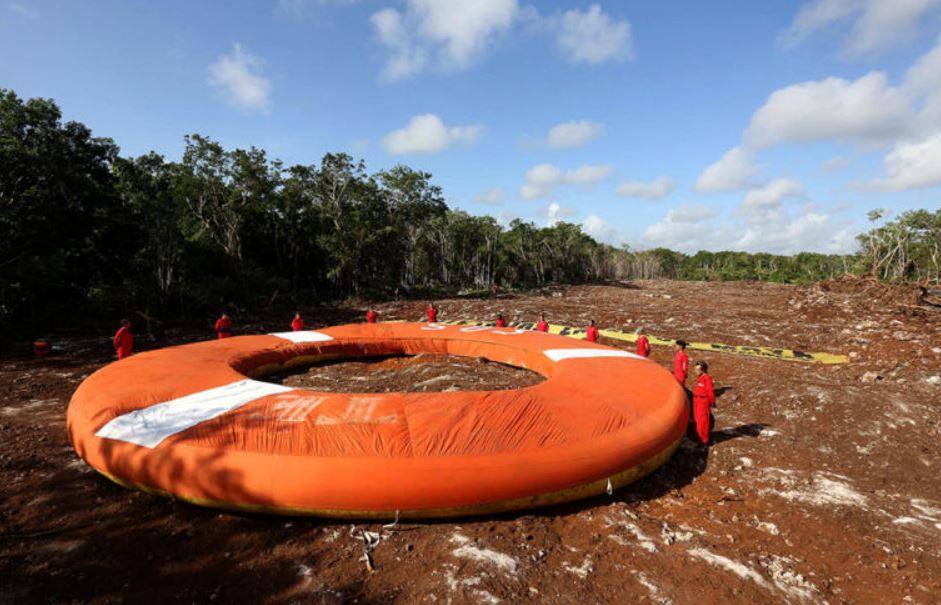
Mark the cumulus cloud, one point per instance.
(834, 164)
(428, 134)
(733, 172)
(542, 180)
(602, 230)
(867, 111)
(555, 213)
(450, 34)
(237, 76)
(569, 135)
(691, 228)
(911, 165)
(875, 26)
(764, 204)
(654, 190)
(594, 36)
(491, 197)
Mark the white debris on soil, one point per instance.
(825, 489)
(467, 550)
(669, 536)
(582, 570)
(643, 540)
(454, 584)
(767, 433)
(787, 580)
(739, 569)
(653, 590)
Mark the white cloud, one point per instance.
(764, 204)
(407, 58)
(655, 190)
(691, 228)
(428, 134)
(602, 230)
(573, 134)
(834, 164)
(866, 111)
(911, 165)
(733, 172)
(875, 25)
(237, 76)
(450, 34)
(491, 197)
(556, 214)
(594, 36)
(543, 179)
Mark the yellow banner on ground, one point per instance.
(766, 352)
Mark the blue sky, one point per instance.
(770, 126)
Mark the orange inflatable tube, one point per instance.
(193, 422)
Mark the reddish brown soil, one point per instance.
(822, 484)
(421, 373)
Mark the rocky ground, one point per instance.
(821, 486)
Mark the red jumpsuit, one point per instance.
(371, 316)
(542, 326)
(432, 314)
(643, 346)
(501, 323)
(681, 366)
(297, 324)
(704, 397)
(591, 334)
(224, 327)
(123, 342)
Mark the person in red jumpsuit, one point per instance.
(543, 325)
(124, 340)
(371, 316)
(297, 324)
(643, 345)
(704, 398)
(680, 362)
(224, 326)
(591, 333)
(501, 323)
(431, 313)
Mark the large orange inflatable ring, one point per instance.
(193, 422)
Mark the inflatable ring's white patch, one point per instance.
(303, 336)
(149, 426)
(560, 354)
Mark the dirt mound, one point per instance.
(420, 373)
(861, 293)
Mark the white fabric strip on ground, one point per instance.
(149, 426)
(303, 336)
(560, 354)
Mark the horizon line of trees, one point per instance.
(91, 234)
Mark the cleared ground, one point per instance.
(822, 485)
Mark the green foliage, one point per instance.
(85, 233)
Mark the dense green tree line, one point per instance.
(88, 234)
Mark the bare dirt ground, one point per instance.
(821, 486)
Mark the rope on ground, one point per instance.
(749, 351)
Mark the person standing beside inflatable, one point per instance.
(704, 398)
(297, 324)
(501, 323)
(431, 313)
(643, 345)
(680, 362)
(371, 316)
(224, 326)
(124, 340)
(591, 333)
(543, 325)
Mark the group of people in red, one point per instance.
(703, 393)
